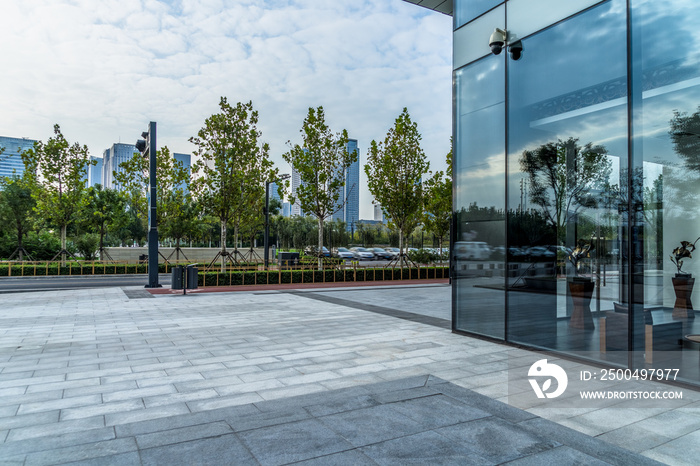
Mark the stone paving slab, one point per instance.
(417, 420)
(95, 368)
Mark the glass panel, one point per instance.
(479, 244)
(472, 41)
(467, 10)
(666, 111)
(567, 159)
(529, 16)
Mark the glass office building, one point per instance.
(11, 163)
(577, 177)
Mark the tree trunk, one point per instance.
(19, 242)
(102, 236)
(235, 236)
(400, 248)
(63, 245)
(223, 246)
(320, 243)
(177, 250)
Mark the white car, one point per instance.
(345, 253)
(362, 254)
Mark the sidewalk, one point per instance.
(328, 376)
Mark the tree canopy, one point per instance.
(232, 164)
(321, 161)
(565, 177)
(58, 172)
(438, 202)
(395, 169)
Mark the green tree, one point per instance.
(16, 207)
(438, 202)
(232, 163)
(565, 177)
(181, 218)
(106, 212)
(395, 169)
(321, 161)
(175, 212)
(58, 171)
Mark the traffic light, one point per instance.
(142, 144)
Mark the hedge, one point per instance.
(73, 268)
(275, 277)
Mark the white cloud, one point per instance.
(103, 69)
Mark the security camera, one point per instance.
(497, 41)
(516, 50)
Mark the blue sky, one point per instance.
(104, 69)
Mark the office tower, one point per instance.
(111, 159)
(378, 214)
(186, 161)
(11, 159)
(352, 187)
(296, 182)
(94, 172)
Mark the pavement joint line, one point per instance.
(410, 316)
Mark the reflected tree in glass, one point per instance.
(565, 177)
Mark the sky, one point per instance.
(103, 69)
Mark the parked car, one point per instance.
(471, 250)
(362, 254)
(541, 253)
(381, 254)
(311, 251)
(344, 253)
(393, 251)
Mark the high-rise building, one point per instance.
(378, 213)
(111, 159)
(186, 161)
(94, 172)
(352, 187)
(11, 160)
(296, 182)
(286, 209)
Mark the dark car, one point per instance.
(381, 254)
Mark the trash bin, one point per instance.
(192, 274)
(288, 259)
(177, 278)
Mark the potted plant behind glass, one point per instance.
(683, 282)
(581, 288)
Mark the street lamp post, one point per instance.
(147, 147)
(266, 254)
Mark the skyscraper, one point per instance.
(378, 214)
(94, 173)
(186, 161)
(296, 182)
(352, 187)
(112, 158)
(11, 160)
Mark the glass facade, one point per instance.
(576, 175)
(352, 187)
(11, 159)
(467, 11)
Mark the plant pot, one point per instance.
(683, 287)
(581, 289)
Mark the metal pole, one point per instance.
(267, 224)
(152, 218)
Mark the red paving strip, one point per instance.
(298, 286)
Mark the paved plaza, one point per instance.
(368, 375)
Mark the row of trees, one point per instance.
(227, 187)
